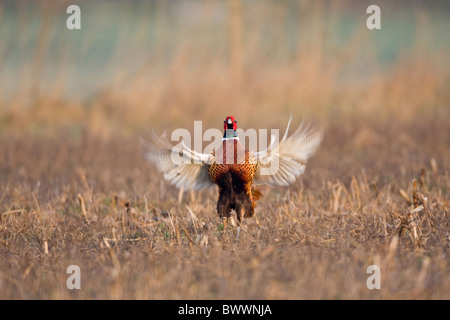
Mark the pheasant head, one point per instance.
(230, 126)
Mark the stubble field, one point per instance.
(75, 189)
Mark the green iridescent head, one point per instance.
(230, 126)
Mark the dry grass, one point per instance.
(98, 205)
(74, 188)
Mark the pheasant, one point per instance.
(237, 172)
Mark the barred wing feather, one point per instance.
(181, 166)
(281, 163)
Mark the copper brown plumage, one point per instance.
(235, 171)
(232, 169)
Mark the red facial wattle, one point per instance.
(234, 122)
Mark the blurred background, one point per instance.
(139, 65)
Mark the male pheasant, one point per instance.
(237, 172)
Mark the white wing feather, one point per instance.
(190, 172)
(281, 163)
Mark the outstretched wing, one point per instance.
(180, 165)
(281, 163)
